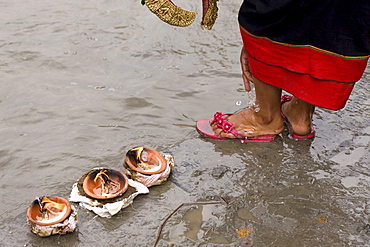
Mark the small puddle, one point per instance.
(200, 225)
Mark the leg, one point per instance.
(253, 122)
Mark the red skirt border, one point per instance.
(317, 76)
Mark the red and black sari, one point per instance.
(313, 49)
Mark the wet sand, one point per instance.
(85, 81)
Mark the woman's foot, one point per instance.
(252, 123)
(261, 120)
(298, 114)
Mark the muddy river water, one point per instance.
(84, 81)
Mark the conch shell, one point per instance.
(105, 184)
(51, 215)
(105, 207)
(148, 166)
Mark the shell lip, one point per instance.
(35, 212)
(132, 160)
(93, 184)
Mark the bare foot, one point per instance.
(299, 114)
(250, 123)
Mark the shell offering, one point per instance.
(105, 184)
(105, 191)
(148, 166)
(51, 215)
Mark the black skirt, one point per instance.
(340, 26)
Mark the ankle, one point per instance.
(266, 117)
(299, 114)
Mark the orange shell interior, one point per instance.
(93, 188)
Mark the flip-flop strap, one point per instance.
(286, 98)
(226, 126)
(219, 118)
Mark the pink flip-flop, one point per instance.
(287, 98)
(205, 129)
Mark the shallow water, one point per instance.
(84, 81)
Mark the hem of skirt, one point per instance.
(321, 65)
